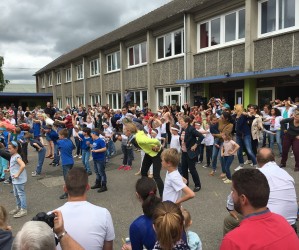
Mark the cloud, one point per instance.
(34, 32)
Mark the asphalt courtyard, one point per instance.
(207, 208)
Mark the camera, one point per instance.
(47, 218)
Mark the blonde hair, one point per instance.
(187, 217)
(228, 136)
(239, 108)
(130, 126)
(3, 217)
(171, 155)
(169, 224)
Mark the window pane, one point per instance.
(204, 35)
(286, 13)
(113, 67)
(109, 63)
(136, 54)
(215, 31)
(118, 60)
(230, 27)
(161, 47)
(143, 53)
(131, 57)
(268, 16)
(160, 97)
(144, 97)
(168, 45)
(178, 42)
(137, 100)
(114, 101)
(119, 101)
(241, 24)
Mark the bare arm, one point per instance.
(188, 194)
(108, 245)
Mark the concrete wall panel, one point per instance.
(78, 88)
(93, 85)
(262, 54)
(112, 82)
(239, 58)
(296, 49)
(212, 63)
(135, 78)
(68, 89)
(225, 60)
(282, 51)
(58, 90)
(199, 65)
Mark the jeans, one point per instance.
(78, 145)
(70, 132)
(209, 151)
(157, 165)
(277, 136)
(85, 159)
(41, 158)
(128, 155)
(227, 160)
(265, 135)
(19, 192)
(110, 148)
(66, 169)
(3, 166)
(201, 152)
(56, 155)
(245, 141)
(24, 152)
(188, 163)
(289, 141)
(99, 169)
(215, 155)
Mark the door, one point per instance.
(172, 99)
(239, 96)
(264, 96)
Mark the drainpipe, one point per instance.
(185, 58)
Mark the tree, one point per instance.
(2, 81)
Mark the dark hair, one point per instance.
(76, 181)
(264, 155)
(87, 131)
(146, 188)
(254, 185)
(226, 116)
(16, 145)
(276, 111)
(187, 119)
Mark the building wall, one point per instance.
(111, 82)
(78, 88)
(93, 84)
(135, 78)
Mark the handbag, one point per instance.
(193, 154)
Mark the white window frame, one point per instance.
(59, 102)
(167, 95)
(261, 89)
(58, 78)
(80, 100)
(277, 30)
(111, 103)
(68, 75)
(140, 55)
(222, 42)
(172, 45)
(50, 80)
(96, 98)
(94, 67)
(114, 56)
(43, 84)
(69, 101)
(140, 104)
(236, 91)
(80, 73)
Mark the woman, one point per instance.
(142, 233)
(291, 138)
(266, 123)
(256, 127)
(152, 149)
(191, 140)
(275, 128)
(243, 136)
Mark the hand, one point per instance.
(193, 148)
(58, 223)
(6, 170)
(234, 214)
(87, 143)
(297, 137)
(15, 176)
(126, 246)
(155, 148)
(230, 151)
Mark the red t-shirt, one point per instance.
(267, 231)
(69, 121)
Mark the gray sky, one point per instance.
(35, 32)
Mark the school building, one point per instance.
(185, 51)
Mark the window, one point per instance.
(113, 61)
(43, 82)
(221, 30)
(95, 99)
(275, 15)
(80, 72)
(50, 80)
(94, 67)
(58, 78)
(68, 75)
(139, 97)
(114, 100)
(59, 103)
(170, 44)
(69, 101)
(80, 100)
(137, 54)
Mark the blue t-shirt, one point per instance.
(66, 148)
(98, 144)
(84, 146)
(53, 136)
(4, 137)
(21, 136)
(142, 233)
(36, 129)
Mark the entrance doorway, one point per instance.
(285, 92)
(264, 96)
(239, 99)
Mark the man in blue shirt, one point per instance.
(98, 154)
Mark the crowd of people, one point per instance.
(173, 138)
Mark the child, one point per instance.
(193, 239)
(41, 153)
(127, 150)
(174, 185)
(24, 144)
(175, 138)
(168, 223)
(5, 231)
(76, 131)
(53, 137)
(208, 141)
(19, 178)
(3, 162)
(228, 150)
(200, 129)
(66, 147)
(86, 141)
(98, 155)
(108, 137)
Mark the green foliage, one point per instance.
(3, 82)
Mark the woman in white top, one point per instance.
(275, 128)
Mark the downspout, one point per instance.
(84, 82)
(185, 58)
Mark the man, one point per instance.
(91, 226)
(260, 228)
(282, 199)
(67, 121)
(49, 111)
(127, 98)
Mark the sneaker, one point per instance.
(196, 189)
(121, 167)
(255, 166)
(150, 175)
(248, 162)
(212, 173)
(227, 181)
(56, 165)
(224, 178)
(64, 196)
(199, 162)
(221, 176)
(80, 157)
(138, 173)
(239, 167)
(14, 211)
(7, 181)
(21, 213)
(206, 166)
(52, 163)
(35, 174)
(127, 168)
(102, 189)
(75, 156)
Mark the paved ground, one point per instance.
(207, 208)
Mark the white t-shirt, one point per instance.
(175, 142)
(173, 186)
(88, 224)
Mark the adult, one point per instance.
(286, 108)
(243, 136)
(127, 98)
(191, 140)
(256, 127)
(49, 110)
(260, 228)
(275, 129)
(91, 226)
(67, 121)
(291, 138)
(142, 233)
(266, 115)
(152, 149)
(282, 198)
